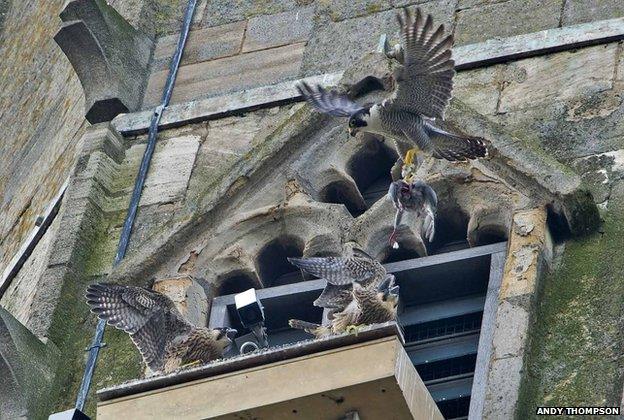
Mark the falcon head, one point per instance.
(388, 292)
(358, 120)
(224, 336)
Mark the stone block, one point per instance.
(189, 297)
(582, 11)
(337, 45)
(503, 388)
(558, 77)
(219, 12)
(512, 323)
(202, 45)
(527, 241)
(109, 56)
(504, 19)
(479, 88)
(18, 297)
(229, 74)
(170, 170)
(278, 29)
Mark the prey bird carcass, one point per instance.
(165, 339)
(417, 197)
(359, 292)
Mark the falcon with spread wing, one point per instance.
(165, 339)
(424, 83)
(413, 196)
(358, 292)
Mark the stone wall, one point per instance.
(237, 45)
(42, 119)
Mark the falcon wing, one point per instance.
(334, 297)
(429, 208)
(150, 318)
(328, 101)
(425, 81)
(340, 271)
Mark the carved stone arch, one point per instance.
(324, 245)
(337, 186)
(272, 261)
(370, 167)
(489, 225)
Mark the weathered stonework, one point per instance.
(109, 56)
(529, 252)
(219, 191)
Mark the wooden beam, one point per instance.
(471, 56)
(33, 239)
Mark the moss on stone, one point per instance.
(576, 345)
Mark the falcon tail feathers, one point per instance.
(463, 147)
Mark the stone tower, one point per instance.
(523, 278)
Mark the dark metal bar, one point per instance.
(32, 241)
(136, 195)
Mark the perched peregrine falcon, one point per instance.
(422, 94)
(414, 196)
(358, 292)
(165, 339)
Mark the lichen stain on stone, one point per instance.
(596, 106)
(523, 226)
(524, 259)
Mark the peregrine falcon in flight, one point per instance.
(424, 83)
(165, 339)
(358, 292)
(413, 196)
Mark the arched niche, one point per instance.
(272, 261)
(451, 226)
(370, 167)
(343, 192)
(236, 282)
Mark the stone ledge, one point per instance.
(370, 371)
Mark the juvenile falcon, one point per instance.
(165, 339)
(424, 83)
(358, 292)
(413, 196)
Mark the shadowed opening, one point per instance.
(273, 266)
(341, 192)
(490, 234)
(557, 225)
(370, 168)
(403, 253)
(236, 282)
(451, 229)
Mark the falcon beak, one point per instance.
(352, 132)
(231, 333)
